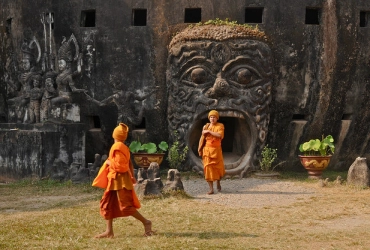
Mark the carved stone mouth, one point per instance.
(239, 141)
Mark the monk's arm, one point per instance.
(216, 134)
(132, 172)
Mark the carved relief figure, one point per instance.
(227, 68)
(49, 93)
(123, 99)
(31, 54)
(64, 80)
(35, 99)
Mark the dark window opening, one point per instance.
(253, 15)
(142, 125)
(8, 28)
(193, 15)
(139, 17)
(364, 17)
(299, 117)
(87, 18)
(2, 118)
(312, 16)
(347, 117)
(94, 121)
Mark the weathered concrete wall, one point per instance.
(321, 76)
(40, 150)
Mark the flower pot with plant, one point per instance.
(146, 153)
(316, 155)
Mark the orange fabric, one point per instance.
(101, 179)
(119, 198)
(202, 141)
(213, 162)
(117, 203)
(120, 132)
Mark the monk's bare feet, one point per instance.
(210, 192)
(104, 235)
(148, 229)
(218, 187)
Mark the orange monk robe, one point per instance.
(119, 198)
(213, 161)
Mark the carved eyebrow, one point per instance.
(246, 62)
(199, 62)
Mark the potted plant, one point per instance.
(316, 155)
(269, 155)
(146, 153)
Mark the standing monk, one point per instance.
(117, 174)
(211, 151)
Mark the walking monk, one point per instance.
(117, 177)
(211, 151)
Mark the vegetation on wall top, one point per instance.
(218, 30)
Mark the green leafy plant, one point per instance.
(269, 155)
(175, 157)
(150, 148)
(323, 147)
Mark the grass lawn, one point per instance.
(52, 215)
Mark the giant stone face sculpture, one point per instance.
(229, 69)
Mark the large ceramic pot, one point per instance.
(143, 160)
(314, 164)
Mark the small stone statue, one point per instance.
(149, 181)
(173, 180)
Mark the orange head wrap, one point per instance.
(214, 113)
(120, 132)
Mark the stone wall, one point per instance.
(320, 82)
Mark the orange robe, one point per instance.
(213, 161)
(119, 198)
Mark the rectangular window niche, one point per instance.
(139, 17)
(193, 15)
(87, 18)
(313, 16)
(364, 18)
(253, 15)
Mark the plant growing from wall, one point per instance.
(220, 22)
(176, 156)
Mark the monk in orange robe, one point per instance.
(117, 177)
(211, 151)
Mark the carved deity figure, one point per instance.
(30, 48)
(35, 99)
(49, 93)
(229, 69)
(64, 80)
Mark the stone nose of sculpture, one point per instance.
(220, 88)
